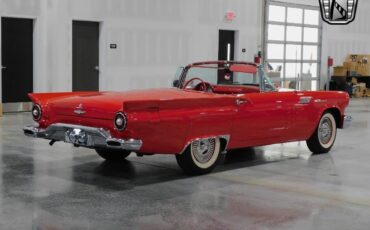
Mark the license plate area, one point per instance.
(77, 137)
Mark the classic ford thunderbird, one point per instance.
(213, 107)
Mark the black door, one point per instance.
(17, 59)
(85, 56)
(226, 43)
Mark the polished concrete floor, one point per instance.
(273, 187)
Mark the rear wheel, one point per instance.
(324, 136)
(113, 154)
(200, 157)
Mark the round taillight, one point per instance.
(36, 112)
(120, 121)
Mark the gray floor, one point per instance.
(274, 187)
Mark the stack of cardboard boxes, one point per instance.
(355, 66)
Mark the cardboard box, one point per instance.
(340, 71)
(351, 66)
(1, 110)
(363, 70)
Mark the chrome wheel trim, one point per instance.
(327, 131)
(205, 152)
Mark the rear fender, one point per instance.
(44, 99)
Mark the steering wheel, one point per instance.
(202, 86)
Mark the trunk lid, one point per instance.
(104, 105)
(90, 106)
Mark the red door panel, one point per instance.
(263, 118)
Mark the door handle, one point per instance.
(96, 68)
(241, 101)
(3, 67)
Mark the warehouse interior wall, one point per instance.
(340, 41)
(153, 37)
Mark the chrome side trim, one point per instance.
(96, 137)
(347, 120)
(305, 100)
(320, 101)
(223, 151)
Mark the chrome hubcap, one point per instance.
(325, 131)
(203, 150)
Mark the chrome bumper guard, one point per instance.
(347, 120)
(89, 137)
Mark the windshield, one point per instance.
(228, 75)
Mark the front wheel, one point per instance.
(200, 157)
(324, 136)
(113, 155)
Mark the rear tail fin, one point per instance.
(45, 98)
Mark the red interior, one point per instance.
(243, 69)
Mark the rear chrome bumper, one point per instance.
(347, 120)
(89, 137)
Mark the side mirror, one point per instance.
(176, 83)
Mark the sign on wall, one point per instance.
(338, 12)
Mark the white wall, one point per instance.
(154, 37)
(339, 41)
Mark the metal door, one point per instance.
(85, 56)
(17, 63)
(226, 43)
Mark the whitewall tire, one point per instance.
(201, 156)
(324, 136)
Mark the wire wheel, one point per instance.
(327, 131)
(205, 152)
(201, 156)
(322, 140)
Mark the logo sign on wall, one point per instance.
(338, 12)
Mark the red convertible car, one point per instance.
(214, 107)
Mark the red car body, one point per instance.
(166, 121)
